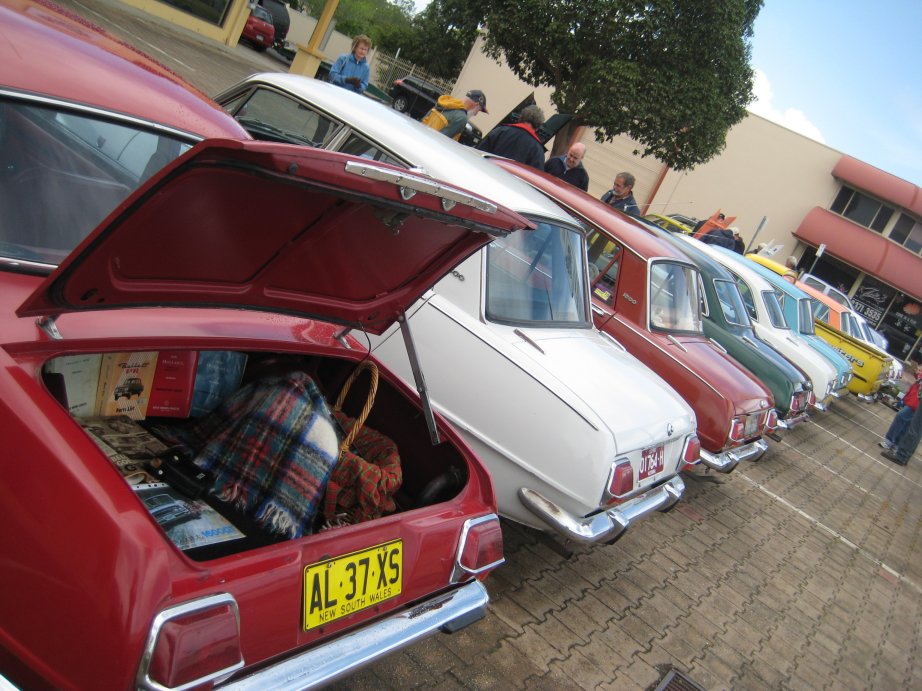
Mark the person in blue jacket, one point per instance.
(350, 70)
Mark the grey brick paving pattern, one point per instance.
(800, 571)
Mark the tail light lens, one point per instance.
(480, 548)
(193, 643)
(811, 398)
(771, 423)
(737, 429)
(621, 479)
(692, 451)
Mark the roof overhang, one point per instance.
(863, 249)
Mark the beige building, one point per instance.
(783, 189)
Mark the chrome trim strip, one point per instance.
(407, 182)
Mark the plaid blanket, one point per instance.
(272, 447)
(366, 478)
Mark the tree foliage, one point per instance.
(377, 19)
(439, 39)
(672, 74)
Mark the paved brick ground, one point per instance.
(800, 571)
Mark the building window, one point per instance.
(907, 232)
(862, 209)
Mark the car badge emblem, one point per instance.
(669, 430)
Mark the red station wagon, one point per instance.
(645, 295)
(117, 573)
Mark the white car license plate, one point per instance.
(652, 461)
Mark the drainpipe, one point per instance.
(656, 186)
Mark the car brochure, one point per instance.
(125, 381)
(189, 523)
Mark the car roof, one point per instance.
(48, 51)
(423, 147)
(613, 223)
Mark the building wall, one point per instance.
(765, 171)
(228, 34)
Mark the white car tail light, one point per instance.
(480, 548)
(192, 644)
(621, 479)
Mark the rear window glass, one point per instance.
(64, 172)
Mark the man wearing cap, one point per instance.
(451, 114)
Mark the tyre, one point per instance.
(401, 104)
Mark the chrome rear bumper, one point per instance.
(725, 461)
(341, 656)
(606, 526)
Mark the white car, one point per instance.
(580, 437)
(858, 326)
(771, 326)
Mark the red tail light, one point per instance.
(692, 451)
(771, 423)
(480, 549)
(811, 398)
(621, 479)
(398, 82)
(192, 644)
(737, 429)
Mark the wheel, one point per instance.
(401, 104)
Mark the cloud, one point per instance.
(792, 118)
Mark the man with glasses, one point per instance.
(569, 167)
(620, 195)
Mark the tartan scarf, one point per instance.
(271, 447)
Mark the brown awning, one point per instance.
(864, 249)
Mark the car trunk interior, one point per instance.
(167, 471)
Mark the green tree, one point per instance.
(672, 74)
(440, 38)
(377, 19)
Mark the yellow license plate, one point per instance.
(344, 585)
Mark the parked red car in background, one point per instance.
(259, 31)
(645, 295)
(117, 573)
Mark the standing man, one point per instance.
(350, 70)
(450, 114)
(569, 167)
(518, 141)
(909, 442)
(621, 194)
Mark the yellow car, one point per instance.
(769, 263)
(668, 223)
